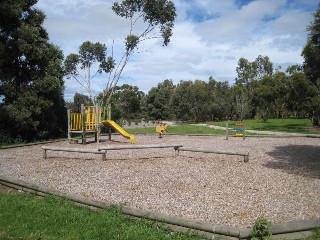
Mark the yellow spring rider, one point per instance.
(161, 129)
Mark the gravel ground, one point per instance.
(281, 181)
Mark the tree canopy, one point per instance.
(311, 51)
(91, 61)
(158, 17)
(311, 54)
(31, 85)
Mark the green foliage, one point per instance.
(261, 230)
(78, 100)
(126, 99)
(157, 14)
(155, 17)
(315, 236)
(311, 51)
(24, 216)
(311, 54)
(158, 100)
(31, 75)
(200, 101)
(92, 60)
(131, 42)
(249, 74)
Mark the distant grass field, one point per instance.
(276, 125)
(24, 216)
(181, 129)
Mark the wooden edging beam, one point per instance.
(245, 155)
(287, 230)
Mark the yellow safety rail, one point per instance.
(90, 121)
(76, 122)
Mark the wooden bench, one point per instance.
(245, 155)
(79, 150)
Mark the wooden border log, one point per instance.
(295, 226)
(79, 150)
(245, 155)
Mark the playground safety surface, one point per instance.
(280, 182)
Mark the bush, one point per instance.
(261, 230)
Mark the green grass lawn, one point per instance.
(181, 129)
(277, 125)
(24, 216)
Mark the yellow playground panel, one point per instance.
(88, 121)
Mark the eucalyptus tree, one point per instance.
(127, 99)
(301, 94)
(192, 101)
(249, 74)
(91, 62)
(265, 96)
(158, 17)
(243, 87)
(158, 100)
(78, 100)
(182, 102)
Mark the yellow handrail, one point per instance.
(76, 122)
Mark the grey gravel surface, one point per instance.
(281, 181)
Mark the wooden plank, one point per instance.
(122, 147)
(245, 155)
(52, 148)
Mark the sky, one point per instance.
(209, 37)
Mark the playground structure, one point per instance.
(237, 130)
(161, 129)
(90, 121)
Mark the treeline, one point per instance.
(32, 73)
(258, 92)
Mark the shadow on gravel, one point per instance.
(296, 159)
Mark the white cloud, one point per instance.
(208, 39)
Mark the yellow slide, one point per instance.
(120, 130)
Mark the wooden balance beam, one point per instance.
(46, 148)
(129, 147)
(122, 147)
(245, 155)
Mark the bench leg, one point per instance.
(246, 158)
(176, 151)
(103, 156)
(44, 153)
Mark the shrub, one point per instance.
(261, 230)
